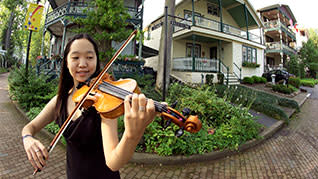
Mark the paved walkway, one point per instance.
(290, 153)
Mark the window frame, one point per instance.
(190, 47)
(250, 54)
(213, 8)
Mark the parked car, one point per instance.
(280, 75)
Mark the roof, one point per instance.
(279, 6)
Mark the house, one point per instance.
(224, 36)
(279, 35)
(60, 27)
(302, 36)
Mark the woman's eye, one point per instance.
(75, 58)
(89, 57)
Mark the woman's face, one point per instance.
(81, 60)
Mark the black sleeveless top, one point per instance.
(85, 155)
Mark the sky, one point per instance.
(303, 10)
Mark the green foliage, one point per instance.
(294, 81)
(106, 23)
(232, 125)
(294, 66)
(31, 91)
(3, 70)
(259, 101)
(283, 88)
(209, 79)
(309, 82)
(220, 78)
(248, 80)
(250, 64)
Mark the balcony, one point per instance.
(215, 25)
(79, 8)
(276, 47)
(201, 64)
(276, 25)
(67, 9)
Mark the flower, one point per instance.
(211, 131)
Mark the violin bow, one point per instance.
(81, 102)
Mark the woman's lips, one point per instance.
(82, 73)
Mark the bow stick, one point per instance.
(92, 86)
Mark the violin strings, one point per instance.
(122, 93)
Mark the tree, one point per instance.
(105, 23)
(309, 53)
(159, 81)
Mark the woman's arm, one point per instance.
(138, 115)
(35, 149)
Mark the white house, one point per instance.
(219, 40)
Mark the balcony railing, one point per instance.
(278, 46)
(69, 8)
(201, 64)
(275, 24)
(215, 25)
(78, 9)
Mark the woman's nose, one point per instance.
(83, 62)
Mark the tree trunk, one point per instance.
(159, 82)
(8, 33)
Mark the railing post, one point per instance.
(193, 22)
(227, 74)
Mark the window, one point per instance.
(197, 50)
(213, 9)
(249, 54)
(188, 14)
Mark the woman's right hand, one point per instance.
(36, 152)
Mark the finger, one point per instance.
(44, 151)
(134, 103)
(36, 160)
(150, 106)
(31, 160)
(127, 103)
(142, 102)
(40, 157)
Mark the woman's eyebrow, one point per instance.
(77, 52)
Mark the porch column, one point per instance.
(246, 20)
(193, 22)
(221, 19)
(140, 28)
(193, 57)
(63, 37)
(219, 54)
(280, 38)
(42, 44)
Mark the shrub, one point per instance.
(294, 81)
(250, 64)
(220, 78)
(263, 80)
(233, 125)
(31, 91)
(248, 80)
(282, 89)
(209, 79)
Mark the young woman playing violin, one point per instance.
(93, 147)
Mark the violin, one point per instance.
(108, 99)
(107, 96)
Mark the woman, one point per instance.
(93, 148)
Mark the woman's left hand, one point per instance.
(139, 113)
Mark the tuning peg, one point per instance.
(186, 111)
(174, 104)
(179, 132)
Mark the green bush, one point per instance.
(263, 80)
(294, 81)
(283, 89)
(308, 82)
(209, 79)
(220, 78)
(31, 91)
(259, 101)
(248, 80)
(233, 125)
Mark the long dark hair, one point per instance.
(66, 80)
